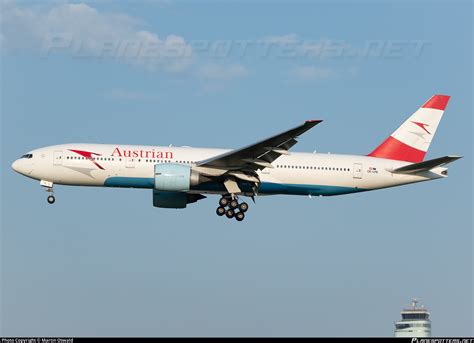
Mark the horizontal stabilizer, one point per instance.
(426, 165)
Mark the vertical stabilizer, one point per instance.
(411, 140)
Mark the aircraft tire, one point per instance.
(234, 204)
(243, 207)
(220, 211)
(223, 202)
(230, 213)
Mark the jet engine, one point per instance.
(171, 177)
(174, 199)
(172, 182)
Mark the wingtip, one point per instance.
(313, 121)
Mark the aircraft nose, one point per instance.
(22, 167)
(15, 166)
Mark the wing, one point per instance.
(261, 154)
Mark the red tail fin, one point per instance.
(411, 140)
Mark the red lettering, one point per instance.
(117, 151)
(142, 153)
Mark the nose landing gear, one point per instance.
(231, 207)
(49, 188)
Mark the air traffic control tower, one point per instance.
(415, 322)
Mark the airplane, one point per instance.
(179, 176)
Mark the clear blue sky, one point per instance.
(106, 262)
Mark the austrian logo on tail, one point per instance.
(422, 125)
(88, 156)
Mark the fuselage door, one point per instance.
(58, 158)
(130, 162)
(357, 171)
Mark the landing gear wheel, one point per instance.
(223, 202)
(230, 213)
(220, 211)
(51, 199)
(233, 204)
(243, 207)
(240, 216)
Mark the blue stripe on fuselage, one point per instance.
(295, 189)
(130, 182)
(265, 187)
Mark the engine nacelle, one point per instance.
(174, 199)
(171, 177)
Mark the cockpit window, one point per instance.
(27, 156)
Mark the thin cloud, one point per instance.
(81, 31)
(290, 38)
(320, 48)
(221, 72)
(312, 73)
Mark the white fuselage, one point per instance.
(114, 165)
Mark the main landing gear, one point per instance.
(230, 207)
